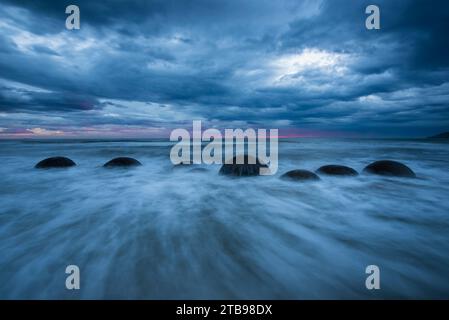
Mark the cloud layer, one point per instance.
(141, 68)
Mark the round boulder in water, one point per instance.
(390, 168)
(249, 167)
(337, 170)
(55, 162)
(300, 175)
(122, 162)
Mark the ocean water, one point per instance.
(158, 232)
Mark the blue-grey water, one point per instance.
(155, 232)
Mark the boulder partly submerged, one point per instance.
(249, 167)
(122, 162)
(337, 170)
(300, 175)
(389, 168)
(55, 162)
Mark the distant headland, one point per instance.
(444, 135)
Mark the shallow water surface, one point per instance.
(161, 232)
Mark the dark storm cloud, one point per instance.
(13, 98)
(287, 63)
(412, 41)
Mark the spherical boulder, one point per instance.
(55, 162)
(337, 170)
(122, 162)
(249, 167)
(300, 175)
(389, 168)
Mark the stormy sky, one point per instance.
(143, 68)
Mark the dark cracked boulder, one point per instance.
(300, 175)
(249, 167)
(122, 162)
(55, 162)
(337, 170)
(389, 168)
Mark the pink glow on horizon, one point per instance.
(142, 133)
